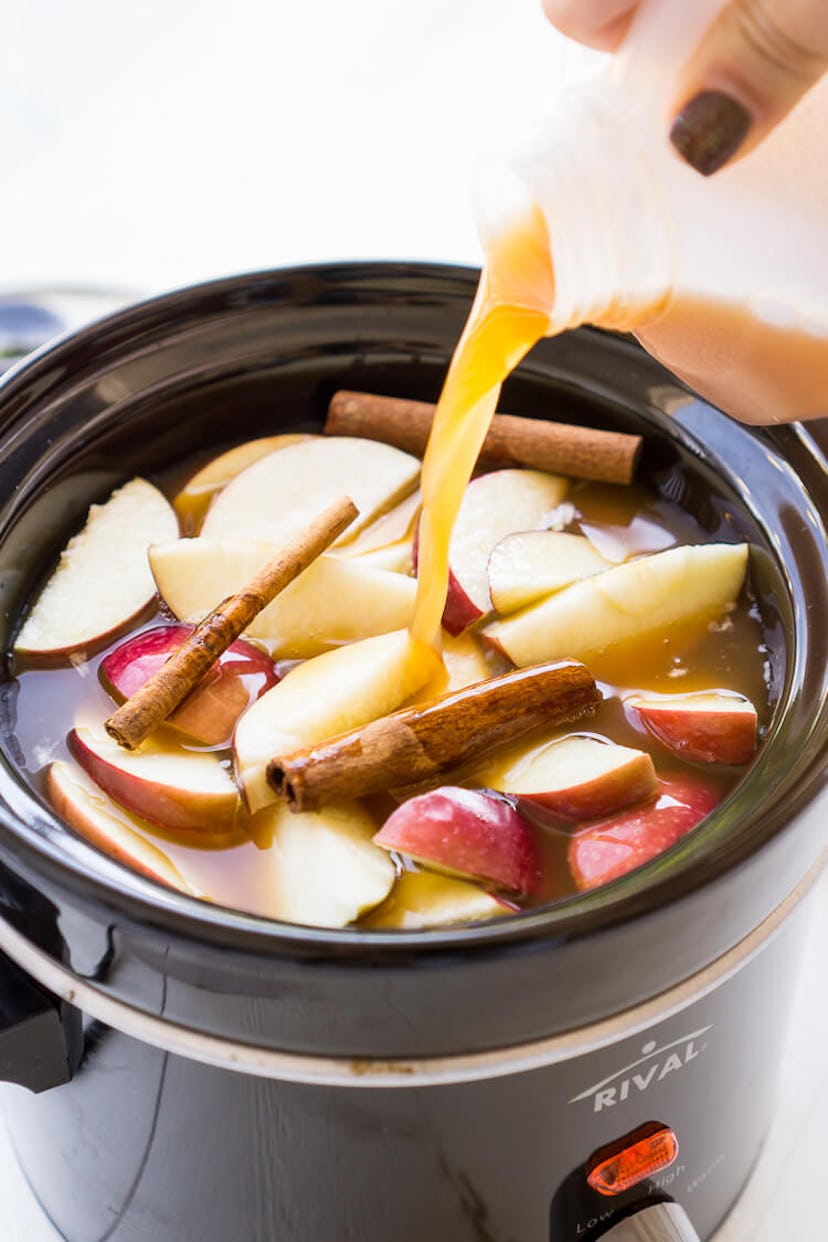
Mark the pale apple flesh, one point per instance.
(277, 497)
(712, 727)
(494, 505)
(630, 603)
(193, 501)
(621, 541)
(102, 583)
(395, 558)
(188, 794)
(467, 833)
(241, 674)
(389, 530)
(421, 899)
(465, 662)
(83, 806)
(611, 847)
(580, 777)
(323, 869)
(529, 564)
(314, 613)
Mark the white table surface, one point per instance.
(153, 145)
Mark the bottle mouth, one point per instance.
(515, 239)
(500, 199)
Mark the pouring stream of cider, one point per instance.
(510, 314)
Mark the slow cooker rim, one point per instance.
(627, 898)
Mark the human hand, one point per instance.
(755, 62)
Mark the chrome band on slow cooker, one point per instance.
(419, 1072)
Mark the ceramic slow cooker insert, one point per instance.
(200, 1073)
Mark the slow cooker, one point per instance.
(601, 1068)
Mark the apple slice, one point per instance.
(240, 675)
(388, 543)
(529, 564)
(322, 866)
(468, 833)
(465, 662)
(193, 500)
(102, 581)
(494, 505)
(612, 847)
(639, 600)
(394, 558)
(81, 804)
(713, 727)
(618, 541)
(334, 601)
(423, 899)
(580, 777)
(279, 495)
(325, 696)
(388, 530)
(186, 793)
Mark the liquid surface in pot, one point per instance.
(621, 524)
(516, 570)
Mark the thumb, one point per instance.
(755, 62)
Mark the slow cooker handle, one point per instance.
(663, 1222)
(39, 1036)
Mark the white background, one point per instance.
(157, 144)
(150, 145)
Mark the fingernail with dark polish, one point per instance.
(709, 130)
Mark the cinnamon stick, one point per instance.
(580, 452)
(186, 668)
(420, 744)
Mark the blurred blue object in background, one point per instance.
(23, 326)
(28, 319)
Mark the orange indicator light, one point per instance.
(646, 1151)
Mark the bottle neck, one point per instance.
(593, 174)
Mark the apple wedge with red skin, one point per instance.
(609, 848)
(709, 727)
(240, 675)
(102, 582)
(579, 777)
(188, 794)
(469, 833)
(494, 505)
(86, 808)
